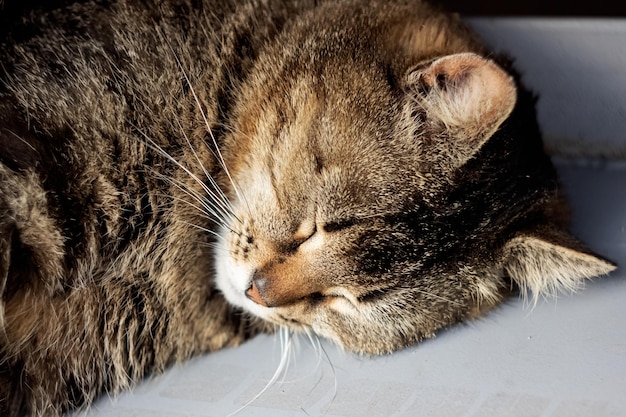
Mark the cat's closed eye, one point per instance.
(338, 225)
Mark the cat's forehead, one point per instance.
(340, 129)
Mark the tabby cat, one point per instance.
(178, 176)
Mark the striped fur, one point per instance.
(178, 176)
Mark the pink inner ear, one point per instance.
(449, 70)
(468, 91)
(465, 99)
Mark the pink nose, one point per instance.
(253, 294)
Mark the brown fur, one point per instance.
(382, 179)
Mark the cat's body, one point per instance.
(383, 180)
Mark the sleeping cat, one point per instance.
(178, 176)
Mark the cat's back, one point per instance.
(98, 65)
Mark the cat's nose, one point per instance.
(258, 285)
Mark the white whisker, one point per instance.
(204, 229)
(218, 196)
(213, 213)
(216, 152)
(335, 384)
(218, 155)
(215, 247)
(153, 145)
(286, 338)
(203, 213)
(314, 340)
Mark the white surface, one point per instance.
(563, 358)
(578, 67)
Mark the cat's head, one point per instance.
(377, 200)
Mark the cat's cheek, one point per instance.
(326, 323)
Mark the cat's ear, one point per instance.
(547, 261)
(464, 98)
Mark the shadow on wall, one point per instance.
(577, 66)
